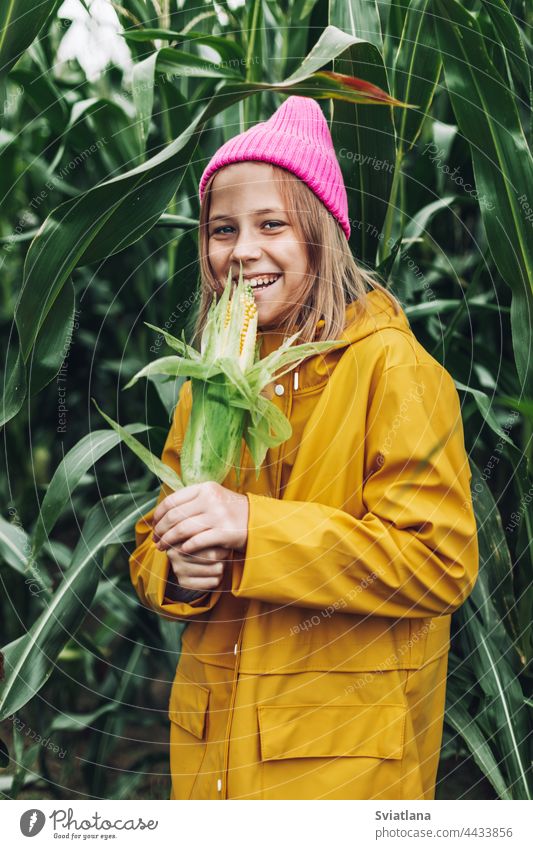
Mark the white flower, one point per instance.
(93, 38)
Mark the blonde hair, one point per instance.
(331, 272)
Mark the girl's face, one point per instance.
(248, 223)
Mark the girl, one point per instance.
(317, 597)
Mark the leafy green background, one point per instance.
(98, 178)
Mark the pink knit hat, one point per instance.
(295, 137)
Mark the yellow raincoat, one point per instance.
(317, 670)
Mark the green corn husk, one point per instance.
(227, 380)
(213, 438)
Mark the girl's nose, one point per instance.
(245, 248)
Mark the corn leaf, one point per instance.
(30, 659)
(176, 367)
(492, 664)
(226, 48)
(13, 546)
(179, 345)
(503, 164)
(156, 466)
(363, 135)
(417, 49)
(67, 476)
(466, 727)
(20, 22)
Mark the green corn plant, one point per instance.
(228, 378)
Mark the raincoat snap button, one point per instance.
(219, 784)
(279, 389)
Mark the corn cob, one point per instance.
(227, 379)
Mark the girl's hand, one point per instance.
(204, 515)
(202, 571)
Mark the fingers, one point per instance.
(180, 531)
(184, 568)
(199, 570)
(197, 576)
(206, 555)
(204, 539)
(184, 500)
(180, 498)
(179, 518)
(204, 584)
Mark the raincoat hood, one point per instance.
(360, 322)
(378, 315)
(377, 320)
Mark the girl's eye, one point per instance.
(228, 226)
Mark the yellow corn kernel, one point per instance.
(250, 309)
(228, 315)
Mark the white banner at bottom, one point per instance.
(241, 824)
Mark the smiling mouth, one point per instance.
(257, 285)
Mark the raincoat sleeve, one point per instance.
(414, 552)
(150, 568)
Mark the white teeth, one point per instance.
(261, 281)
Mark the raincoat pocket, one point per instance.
(332, 731)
